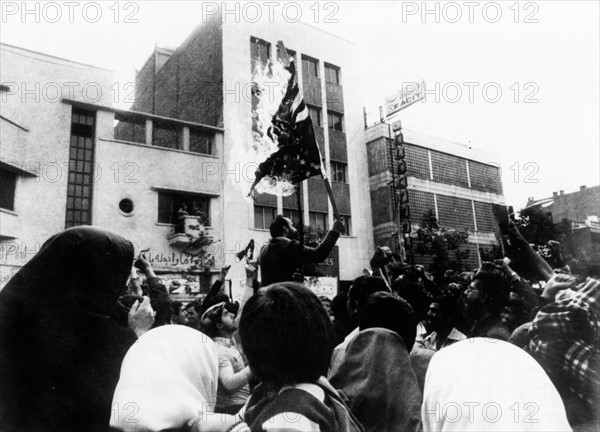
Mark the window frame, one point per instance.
(338, 171)
(187, 197)
(306, 60)
(330, 122)
(313, 222)
(318, 111)
(329, 68)
(260, 43)
(263, 208)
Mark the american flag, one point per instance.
(297, 156)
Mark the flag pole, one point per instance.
(300, 229)
(336, 214)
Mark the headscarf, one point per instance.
(377, 378)
(60, 345)
(489, 385)
(167, 378)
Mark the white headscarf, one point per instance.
(489, 385)
(168, 377)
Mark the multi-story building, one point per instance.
(457, 183)
(581, 211)
(187, 139)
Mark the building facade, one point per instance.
(188, 139)
(458, 184)
(580, 210)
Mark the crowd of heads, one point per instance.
(288, 336)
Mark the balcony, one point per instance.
(188, 229)
(312, 90)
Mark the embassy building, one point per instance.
(71, 158)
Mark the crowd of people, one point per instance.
(89, 341)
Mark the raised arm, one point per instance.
(322, 251)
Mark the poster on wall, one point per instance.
(322, 285)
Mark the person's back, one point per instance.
(287, 337)
(376, 374)
(360, 290)
(278, 260)
(283, 255)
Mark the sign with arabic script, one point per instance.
(168, 259)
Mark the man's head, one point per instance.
(490, 290)
(192, 315)
(385, 310)
(286, 334)
(360, 290)
(282, 227)
(414, 293)
(219, 320)
(440, 314)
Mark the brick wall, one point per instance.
(576, 206)
(189, 85)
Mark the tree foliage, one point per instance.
(536, 225)
(443, 245)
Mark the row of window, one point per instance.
(264, 216)
(260, 50)
(334, 120)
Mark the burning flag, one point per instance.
(297, 156)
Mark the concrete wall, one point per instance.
(37, 82)
(138, 172)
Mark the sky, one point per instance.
(518, 80)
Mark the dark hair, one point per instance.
(338, 307)
(447, 306)
(385, 310)
(176, 306)
(495, 286)
(286, 334)
(414, 293)
(363, 287)
(277, 226)
(194, 304)
(520, 310)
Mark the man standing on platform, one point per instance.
(283, 255)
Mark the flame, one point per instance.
(269, 85)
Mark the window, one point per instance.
(335, 121)
(293, 215)
(310, 67)
(332, 74)
(130, 129)
(260, 50)
(348, 224)
(264, 216)
(315, 115)
(81, 159)
(318, 220)
(169, 203)
(338, 172)
(166, 134)
(291, 53)
(200, 141)
(8, 183)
